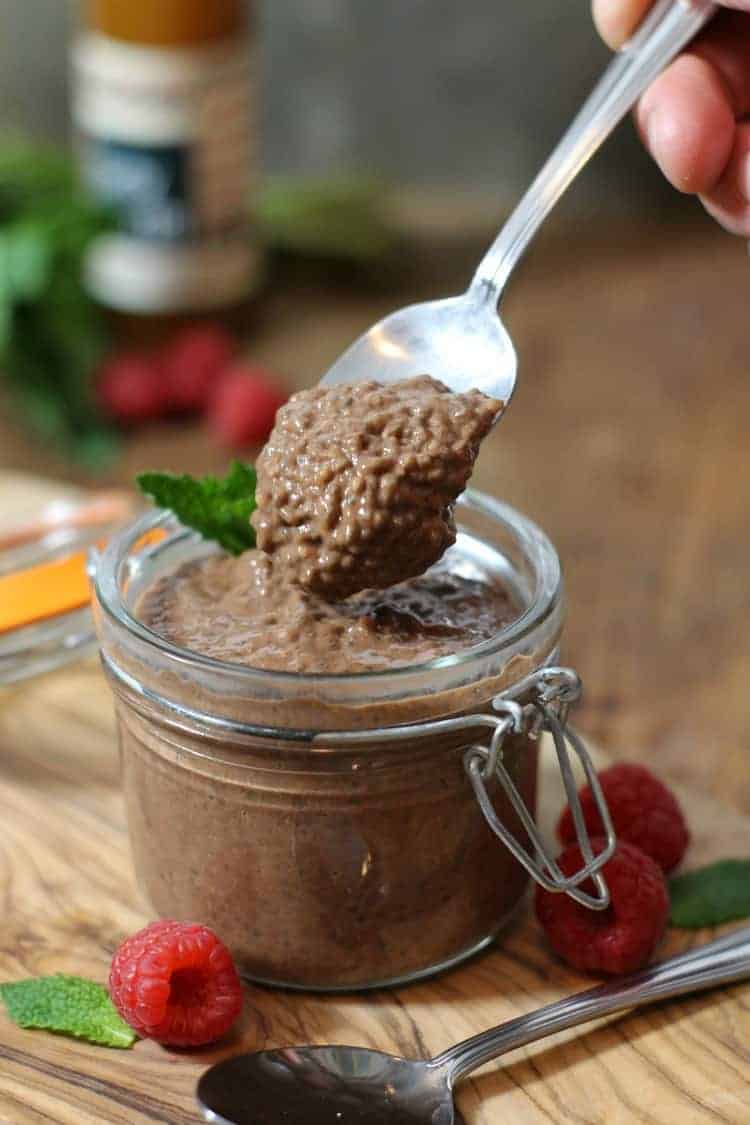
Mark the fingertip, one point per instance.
(729, 201)
(616, 20)
(688, 126)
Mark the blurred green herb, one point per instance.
(219, 508)
(52, 335)
(326, 218)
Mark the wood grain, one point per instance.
(67, 897)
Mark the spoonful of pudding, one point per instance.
(356, 484)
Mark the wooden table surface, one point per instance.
(627, 441)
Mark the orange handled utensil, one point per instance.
(55, 585)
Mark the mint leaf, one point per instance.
(68, 1005)
(712, 895)
(218, 509)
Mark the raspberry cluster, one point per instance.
(652, 839)
(643, 812)
(197, 372)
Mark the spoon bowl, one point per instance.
(461, 341)
(326, 1086)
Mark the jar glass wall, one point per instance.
(323, 864)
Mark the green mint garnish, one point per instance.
(68, 1005)
(218, 509)
(712, 895)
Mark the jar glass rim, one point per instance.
(544, 601)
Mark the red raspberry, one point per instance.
(131, 388)
(643, 812)
(621, 938)
(244, 407)
(176, 982)
(193, 363)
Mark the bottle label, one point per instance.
(148, 186)
(164, 138)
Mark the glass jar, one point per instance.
(327, 827)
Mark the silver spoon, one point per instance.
(356, 1086)
(462, 340)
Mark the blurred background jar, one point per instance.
(161, 107)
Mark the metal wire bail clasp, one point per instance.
(548, 694)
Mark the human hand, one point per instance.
(692, 117)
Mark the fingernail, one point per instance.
(743, 178)
(658, 130)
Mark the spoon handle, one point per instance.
(719, 962)
(669, 26)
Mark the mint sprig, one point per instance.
(219, 508)
(712, 895)
(67, 1005)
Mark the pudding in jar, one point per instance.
(287, 777)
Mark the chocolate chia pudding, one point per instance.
(245, 611)
(357, 482)
(324, 864)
